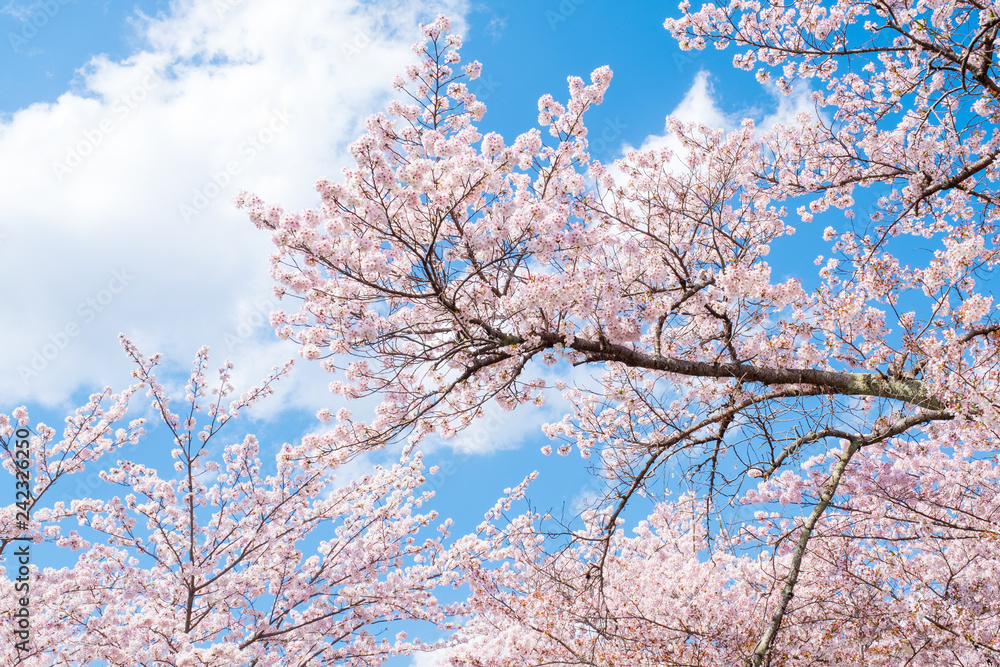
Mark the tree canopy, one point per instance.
(840, 496)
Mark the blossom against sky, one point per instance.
(126, 129)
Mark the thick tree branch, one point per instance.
(854, 444)
(766, 642)
(908, 390)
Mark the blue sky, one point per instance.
(143, 89)
(116, 119)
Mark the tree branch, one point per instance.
(908, 390)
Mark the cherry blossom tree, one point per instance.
(839, 497)
(223, 560)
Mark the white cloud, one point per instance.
(429, 658)
(20, 12)
(497, 430)
(118, 213)
(787, 107)
(700, 105)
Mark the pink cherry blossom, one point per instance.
(836, 443)
(228, 561)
